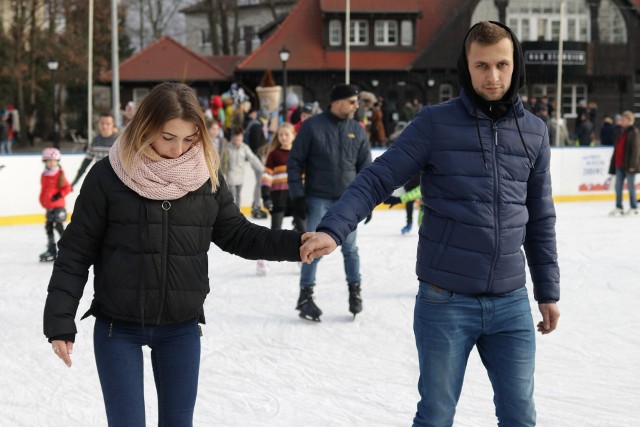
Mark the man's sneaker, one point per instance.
(632, 212)
(355, 300)
(616, 212)
(258, 213)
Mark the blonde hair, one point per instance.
(629, 116)
(275, 142)
(166, 101)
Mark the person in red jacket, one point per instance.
(54, 187)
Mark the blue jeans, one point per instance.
(447, 326)
(316, 208)
(175, 358)
(621, 175)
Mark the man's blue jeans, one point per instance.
(175, 358)
(447, 326)
(316, 208)
(621, 175)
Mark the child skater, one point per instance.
(54, 187)
(275, 184)
(145, 218)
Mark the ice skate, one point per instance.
(50, 254)
(262, 268)
(258, 213)
(355, 300)
(617, 212)
(406, 229)
(307, 307)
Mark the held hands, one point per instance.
(268, 204)
(63, 350)
(550, 315)
(315, 246)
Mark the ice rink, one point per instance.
(264, 366)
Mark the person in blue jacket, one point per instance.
(327, 154)
(486, 193)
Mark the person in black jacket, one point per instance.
(144, 219)
(330, 149)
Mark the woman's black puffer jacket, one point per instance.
(149, 256)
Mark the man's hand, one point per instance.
(317, 246)
(63, 350)
(550, 315)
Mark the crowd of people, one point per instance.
(173, 178)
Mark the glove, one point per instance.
(268, 204)
(368, 218)
(300, 207)
(392, 201)
(56, 196)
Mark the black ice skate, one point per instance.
(355, 301)
(50, 254)
(308, 309)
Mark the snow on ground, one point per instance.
(263, 366)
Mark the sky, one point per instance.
(262, 365)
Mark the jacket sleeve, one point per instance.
(296, 163)
(364, 154)
(540, 241)
(77, 251)
(255, 162)
(376, 182)
(233, 233)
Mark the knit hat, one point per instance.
(343, 91)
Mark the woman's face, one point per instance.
(285, 136)
(176, 138)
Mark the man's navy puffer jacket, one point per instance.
(479, 210)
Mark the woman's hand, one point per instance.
(63, 350)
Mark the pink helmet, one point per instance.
(50, 154)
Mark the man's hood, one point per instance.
(518, 79)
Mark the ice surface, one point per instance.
(263, 366)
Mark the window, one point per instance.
(540, 19)
(139, 93)
(611, 24)
(406, 33)
(205, 37)
(335, 32)
(359, 34)
(571, 96)
(445, 92)
(386, 33)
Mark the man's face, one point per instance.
(491, 68)
(345, 108)
(105, 125)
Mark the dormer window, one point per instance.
(386, 33)
(359, 32)
(335, 32)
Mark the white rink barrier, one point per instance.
(578, 173)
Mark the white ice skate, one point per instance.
(262, 268)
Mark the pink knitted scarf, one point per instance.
(166, 179)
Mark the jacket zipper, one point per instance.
(166, 205)
(496, 219)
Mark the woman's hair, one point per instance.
(167, 101)
(275, 142)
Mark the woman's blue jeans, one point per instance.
(621, 175)
(447, 326)
(175, 358)
(316, 208)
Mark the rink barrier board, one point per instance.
(578, 174)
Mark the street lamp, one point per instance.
(284, 57)
(55, 135)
